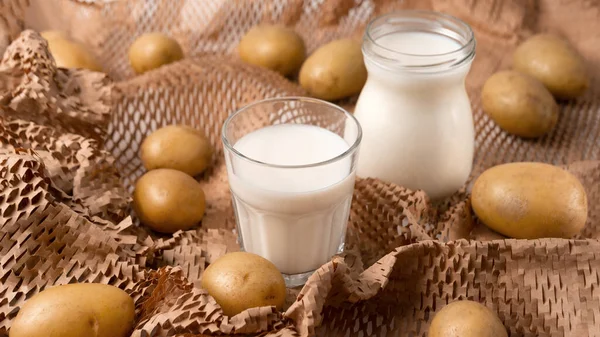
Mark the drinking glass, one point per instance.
(291, 169)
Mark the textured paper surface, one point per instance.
(69, 142)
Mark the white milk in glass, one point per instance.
(417, 123)
(294, 217)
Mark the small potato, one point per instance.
(153, 50)
(168, 200)
(69, 54)
(273, 47)
(177, 147)
(239, 281)
(334, 71)
(530, 201)
(76, 310)
(555, 63)
(519, 104)
(466, 319)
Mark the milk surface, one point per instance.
(296, 218)
(417, 127)
(418, 43)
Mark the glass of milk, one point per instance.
(414, 110)
(291, 168)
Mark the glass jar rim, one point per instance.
(351, 148)
(439, 61)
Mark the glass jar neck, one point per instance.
(418, 42)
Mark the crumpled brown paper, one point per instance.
(39, 92)
(69, 143)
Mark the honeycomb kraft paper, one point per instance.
(69, 142)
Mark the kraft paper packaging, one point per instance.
(69, 156)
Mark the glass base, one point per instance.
(296, 280)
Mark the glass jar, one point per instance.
(414, 110)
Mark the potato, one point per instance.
(519, 104)
(530, 201)
(75, 310)
(239, 281)
(153, 50)
(466, 319)
(554, 62)
(334, 71)
(177, 147)
(273, 47)
(68, 53)
(168, 200)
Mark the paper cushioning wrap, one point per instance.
(69, 155)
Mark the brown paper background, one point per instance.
(69, 143)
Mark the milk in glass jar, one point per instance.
(414, 110)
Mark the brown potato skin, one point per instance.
(555, 63)
(519, 104)
(177, 147)
(76, 310)
(273, 47)
(153, 50)
(68, 53)
(466, 319)
(240, 280)
(334, 71)
(168, 200)
(530, 200)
